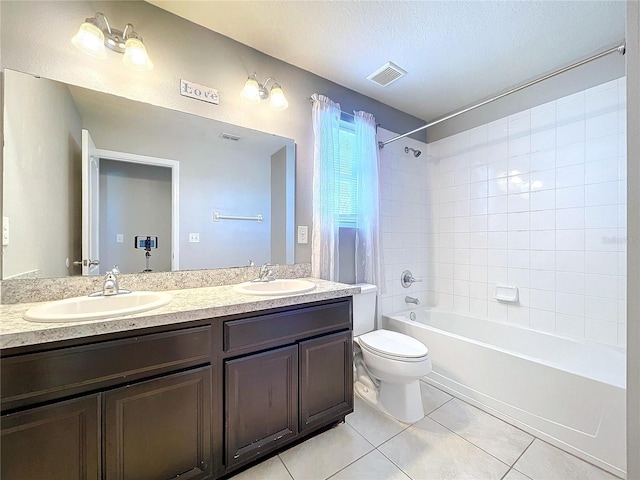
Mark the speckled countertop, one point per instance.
(187, 305)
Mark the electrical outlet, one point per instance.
(303, 234)
(119, 238)
(194, 237)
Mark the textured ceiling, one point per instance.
(455, 52)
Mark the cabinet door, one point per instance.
(58, 442)
(261, 404)
(326, 379)
(159, 429)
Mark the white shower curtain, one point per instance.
(326, 195)
(326, 156)
(369, 263)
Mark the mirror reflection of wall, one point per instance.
(41, 177)
(135, 200)
(42, 194)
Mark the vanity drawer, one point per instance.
(275, 329)
(72, 370)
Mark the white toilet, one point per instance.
(387, 364)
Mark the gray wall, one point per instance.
(134, 200)
(633, 247)
(41, 197)
(180, 50)
(587, 76)
(278, 206)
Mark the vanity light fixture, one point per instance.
(96, 33)
(254, 92)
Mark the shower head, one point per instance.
(416, 153)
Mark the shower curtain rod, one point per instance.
(342, 112)
(620, 49)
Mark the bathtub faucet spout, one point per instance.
(408, 299)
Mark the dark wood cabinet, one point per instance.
(261, 403)
(326, 379)
(58, 442)
(195, 401)
(283, 393)
(159, 429)
(149, 415)
(96, 365)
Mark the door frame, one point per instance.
(90, 246)
(174, 165)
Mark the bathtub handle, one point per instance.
(407, 279)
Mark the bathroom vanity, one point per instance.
(182, 392)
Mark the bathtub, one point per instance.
(568, 392)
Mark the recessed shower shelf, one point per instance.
(506, 294)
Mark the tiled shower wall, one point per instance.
(404, 220)
(535, 200)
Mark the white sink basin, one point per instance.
(92, 308)
(275, 287)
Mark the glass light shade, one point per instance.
(251, 91)
(135, 55)
(278, 100)
(90, 40)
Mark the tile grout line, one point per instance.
(365, 439)
(524, 451)
(393, 463)
(510, 424)
(394, 436)
(512, 467)
(285, 466)
(471, 443)
(439, 406)
(580, 459)
(355, 460)
(492, 415)
(406, 427)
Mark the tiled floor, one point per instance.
(454, 441)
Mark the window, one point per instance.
(347, 176)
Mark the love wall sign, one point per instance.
(199, 92)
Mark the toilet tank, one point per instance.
(364, 309)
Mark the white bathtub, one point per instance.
(567, 392)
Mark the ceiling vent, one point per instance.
(387, 74)
(229, 136)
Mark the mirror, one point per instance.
(207, 194)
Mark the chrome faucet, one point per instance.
(266, 274)
(409, 299)
(111, 284)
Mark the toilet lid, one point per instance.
(394, 344)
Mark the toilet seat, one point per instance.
(394, 345)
